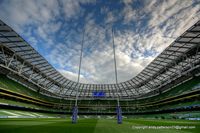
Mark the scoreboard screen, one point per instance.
(98, 94)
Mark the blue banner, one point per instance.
(98, 94)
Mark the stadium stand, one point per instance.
(169, 87)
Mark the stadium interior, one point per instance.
(167, 89)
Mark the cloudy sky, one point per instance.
(142, 29)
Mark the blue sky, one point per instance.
(142, 28)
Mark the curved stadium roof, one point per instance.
(177, 59)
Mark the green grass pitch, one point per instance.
(57, 125)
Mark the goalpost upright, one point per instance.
(118, 108)
(75, 109)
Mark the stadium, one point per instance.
(36, 97)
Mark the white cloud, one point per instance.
(99, 66)
(71, 7)
(157, 24)
(72, 76)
